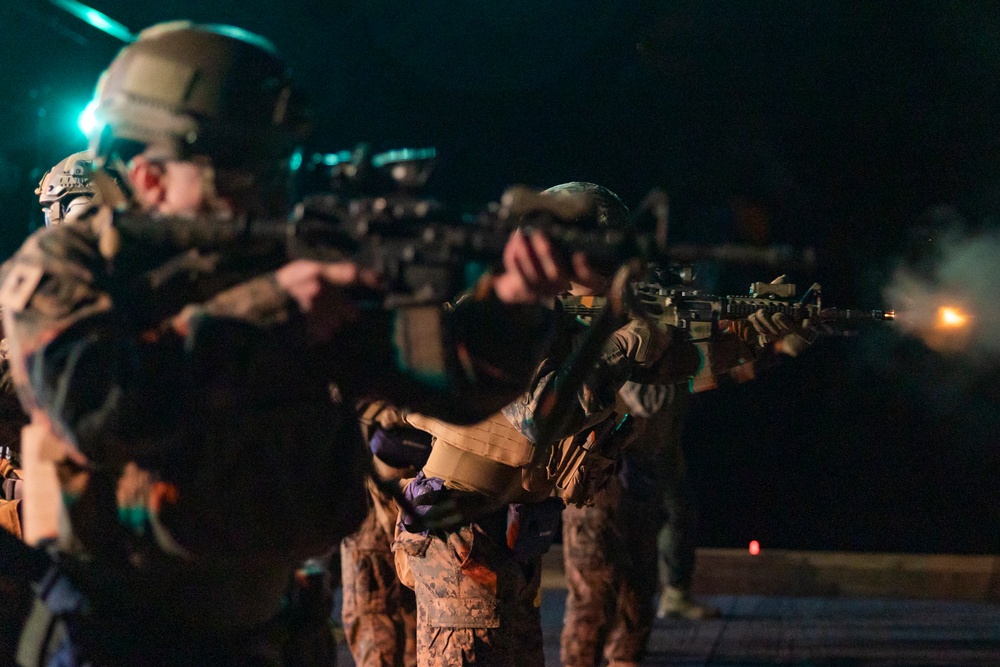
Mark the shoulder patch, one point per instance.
(20, 286)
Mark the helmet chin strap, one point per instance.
(212, 204)
(113, 192)
(109, 191)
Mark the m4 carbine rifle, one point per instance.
(686, 308)
(705, 318)
(427, 251)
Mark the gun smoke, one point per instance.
(948, 298)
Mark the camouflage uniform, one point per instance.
(610, 548)
(675, 541)
(477, 587)
(15, 591)
(379, 613)
(476, 604)
(237, 392)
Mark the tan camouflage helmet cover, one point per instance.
(67, 190)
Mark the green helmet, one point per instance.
(183, 90)
(609, 211)
(66, 190)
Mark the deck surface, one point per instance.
(958, 623)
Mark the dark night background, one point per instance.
(839, 125)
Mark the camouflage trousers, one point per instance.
(676, 538)
(17, 597)
(609, 551)
(476, 604)
(379, 613)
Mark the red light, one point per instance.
(754, 547)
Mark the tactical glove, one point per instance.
(661, 354)
(643, 341)
(778, 330)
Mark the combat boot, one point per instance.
(677, 603)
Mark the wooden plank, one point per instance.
(854, 575)
(832, 574)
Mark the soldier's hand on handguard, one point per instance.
(531, 270)
(318, 289)
(661, 355)
(642, 340)
(779, 332)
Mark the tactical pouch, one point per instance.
(12, 484)
(584, 464)
(13, 489)
(492, 458)
(531, 529)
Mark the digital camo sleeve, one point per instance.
(635, 352)
(459, 365)
(594, 396)
(72, 353)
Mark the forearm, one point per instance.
(460, 366)
(591, 400)
(97, 385)
(637, 352)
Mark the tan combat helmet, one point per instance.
(67, 189)
(608, 209)
(184, 90)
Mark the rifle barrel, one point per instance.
(857, 315)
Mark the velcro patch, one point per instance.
(20, 286)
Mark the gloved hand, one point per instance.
(401, 447)
(645, 400)
(423, 493)
(436, 507)
(778, 330)
(661, 354)
(642, 340)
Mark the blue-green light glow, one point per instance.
(87, 120)
(96, 19)
(402, 155)
(243, 36)
(337, 158)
